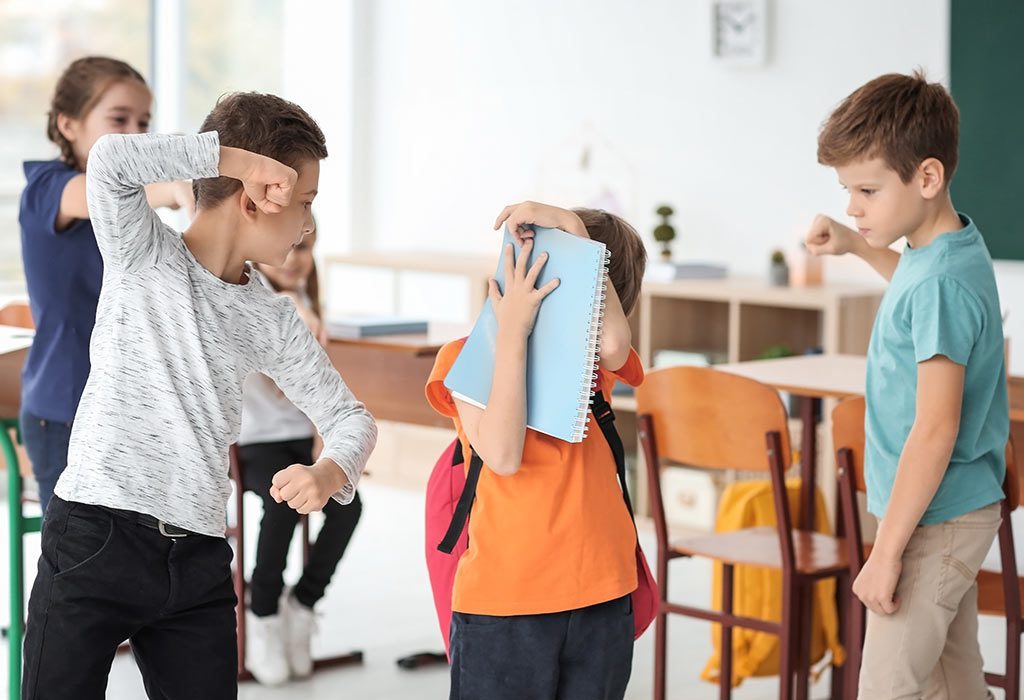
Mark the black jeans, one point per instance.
(260, 462)
(584, 654)
(46, 442)
(104, 578)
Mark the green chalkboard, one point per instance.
(987, 81)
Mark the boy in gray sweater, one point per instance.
(133, 546)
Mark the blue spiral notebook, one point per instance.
(562, 352)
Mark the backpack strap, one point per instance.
(466, 498)
(605, 419)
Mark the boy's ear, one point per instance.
(933, 177)
(246, 206)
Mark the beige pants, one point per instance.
(929, 647)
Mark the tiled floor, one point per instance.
(380, 602)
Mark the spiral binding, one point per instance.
(582, 423)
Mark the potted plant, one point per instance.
(778, 272)
(775, 352)
(664, 233)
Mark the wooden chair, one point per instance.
(236, 531)
(17, 314)
(848, 438)
(706, 418)
(999, 592)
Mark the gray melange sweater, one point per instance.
(171, 347)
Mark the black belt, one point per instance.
(165, 529)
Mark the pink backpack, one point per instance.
(446, 484)
(450, 494)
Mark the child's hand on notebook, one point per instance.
(520, 217)
(307, 489)
(516, 309)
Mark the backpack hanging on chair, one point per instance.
(758, 590)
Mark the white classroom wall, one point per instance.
(438, 113)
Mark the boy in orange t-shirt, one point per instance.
(542, 605)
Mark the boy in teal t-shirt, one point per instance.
(937, 409)
(942, 301)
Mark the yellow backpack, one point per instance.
(758, 590)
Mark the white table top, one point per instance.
(13, 339)
(819, 376)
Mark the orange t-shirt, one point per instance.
(556, 535)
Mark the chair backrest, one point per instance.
(848, 433)
(16, 314)
(707, 418)
(848, 441)
(702, 417)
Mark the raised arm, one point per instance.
(120, 166)
(829, 237)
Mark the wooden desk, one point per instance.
(388, 373)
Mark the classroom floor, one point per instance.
(380, 602)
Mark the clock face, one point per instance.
(739, 30)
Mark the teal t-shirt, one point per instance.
(942, 300)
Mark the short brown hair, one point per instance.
(79, 88)
(263, 124)
(903, 119)
(628, 255)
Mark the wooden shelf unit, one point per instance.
(744, 317)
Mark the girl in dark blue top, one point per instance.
(63, 269)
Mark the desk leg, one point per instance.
(808, 462)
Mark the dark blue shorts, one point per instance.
(584, 654)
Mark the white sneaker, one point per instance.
(265, 656)
(299, 625)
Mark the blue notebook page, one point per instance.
(561, 351)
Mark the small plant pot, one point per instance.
(778, 275)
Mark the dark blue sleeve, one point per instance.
(40, 200)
